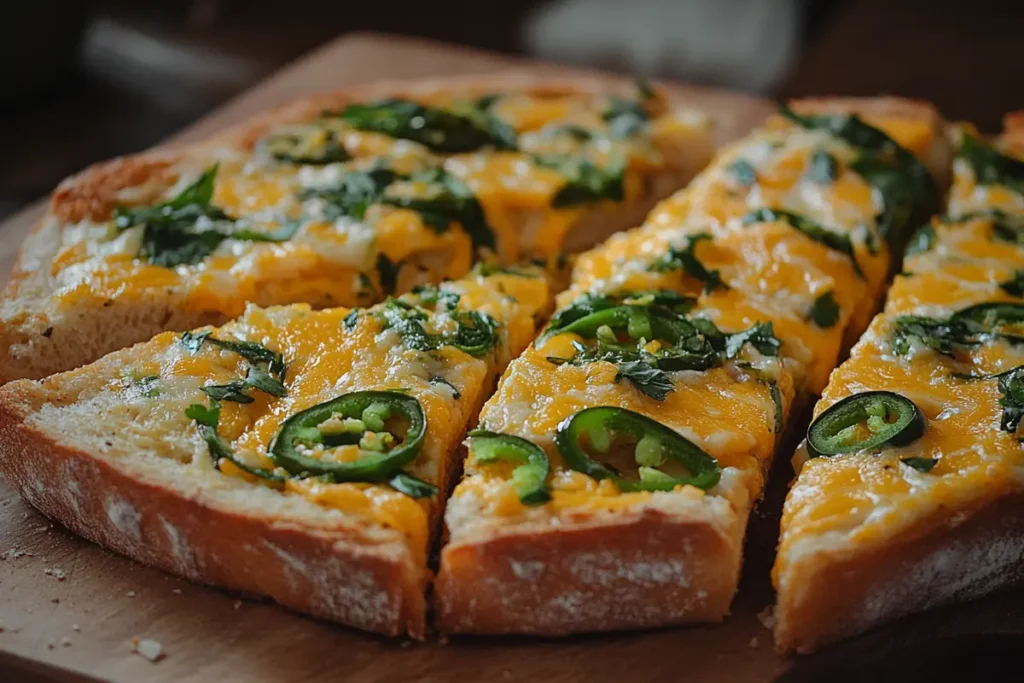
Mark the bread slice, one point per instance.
(117, 450)
(598, 554)
(873, 534)
(352, 213)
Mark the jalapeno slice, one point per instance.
(364, 418)
(530, 477)
(864, 421)
(605, 430)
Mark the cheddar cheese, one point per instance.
(340, 200)
(660, 389)
(341, 425)
(884, 518)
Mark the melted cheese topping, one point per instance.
(770, 272)
(333, 261)
(844, 503)
(326, 358)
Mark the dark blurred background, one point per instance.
(81, 81)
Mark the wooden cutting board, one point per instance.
(69, 610)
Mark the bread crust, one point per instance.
(33, 333)
(949, 556)
(642, 570)
(324, 572)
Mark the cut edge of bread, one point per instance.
(648, 568)
(142, 510)
(948, 556)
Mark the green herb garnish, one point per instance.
(585, 181)
(188, 228)
(824, 169)
(450, 131)
(991, 167)
(825, 311)
(684, 258)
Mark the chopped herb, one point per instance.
(990, 166)
(220, 450)
(685, 259)
(388, 272)
(251, 351)
(475, 334)
(448, 199)
(1015, 285)
(451, 131)
(188, 228)
(411, 486)
(232, 391)
(833, 240)
(743, 172)
(625, 117)
(266, 368)
(258, 378)
(353, 194)
(920, 464)
(825, 311)
(585, 181)
(942, 336)
(437, 379)
(311, 144)
(967, 327)
(351, 319)
(908, 190)
(649, 379)
(203, 415)
(824, 169)
(1011, 386)
(760, 335)
(921, 241)
(440, 299)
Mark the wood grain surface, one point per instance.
(69, 610)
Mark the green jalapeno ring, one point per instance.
(655, 443)
(825, 434)
(373, 467)
(530, 476)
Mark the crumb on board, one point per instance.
(76, 627)
(131, 594)
(767, 617)
(65, 642)
(238, 604)
(14, 553)
(55, 572)
(754, 642)
(148, 648)
(176, 591)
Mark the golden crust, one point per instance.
(318, 571)
(650, 569)
(946, 557)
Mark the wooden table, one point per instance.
(69, 610)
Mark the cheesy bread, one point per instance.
(910, 483)
(298, 454)
(340, 200)
(612, 475)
